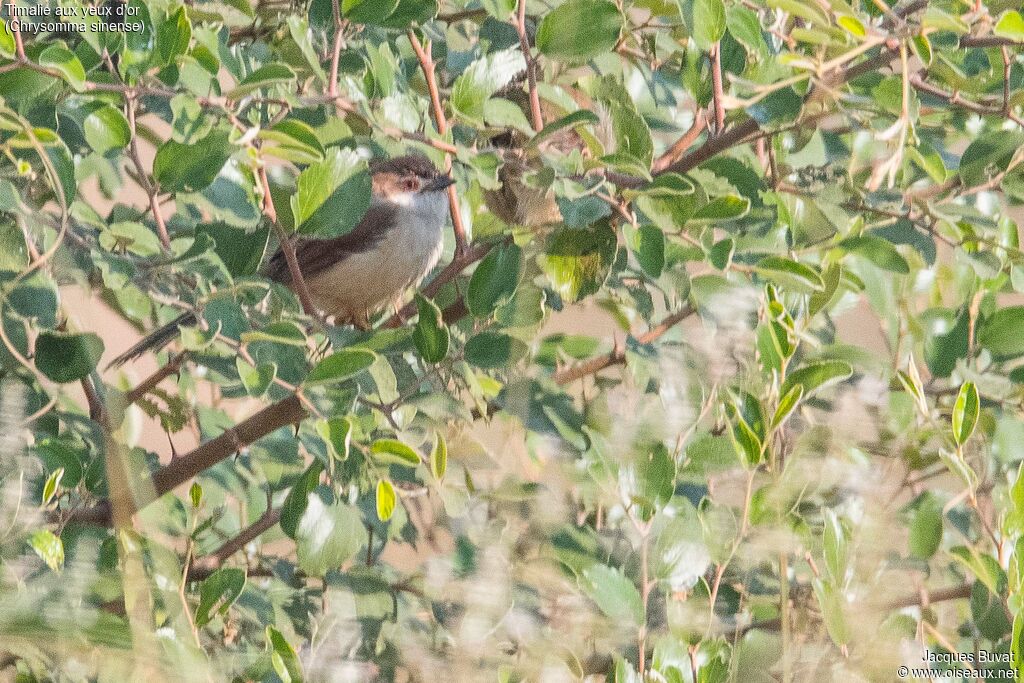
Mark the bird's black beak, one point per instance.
(438, 183)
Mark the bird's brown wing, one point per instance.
(318, 255)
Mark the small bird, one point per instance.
(397, 242)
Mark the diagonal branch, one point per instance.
(281, 414)
(617, 356)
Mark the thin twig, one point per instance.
(427, 65)
(683, 144)
(519, 21)
(148, 186)
(717, 92)
(147, 385)
(287, 248)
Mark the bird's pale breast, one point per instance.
(366, 281)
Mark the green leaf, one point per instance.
(51, 485)
(7, 45)
(49, 548)
(293, 140)
(879, 251)
(791, 274)
(411, 12)
(297, 500)
(987, 572)
(615, 594)
(439, 457)
(988, 155)
(577, 30)
(218, 592)
(65, 61)
(1002, 333)
(256, 380)
(386, 500)
(577, 261)
(56, 151)
(337, 434)
(835, 546)
(648, 245)
(787, 404)
(67, 357)
(494, 350)
(340, 366)
(852, 25)
(395, 452)
(174, 36)
(495, 280)
(106, 128)
(368, 11)
(431, 335)
(328, 536)
(576, 118)
(705, 19)
(817, 375)
(831, 601)
(189, 168)
(332, 196)
(266, 76)
(285, 661)
(925, 526)
(483, 78)
(747, 431)
(965, 413)
(724, 208)
(1010, 25)
(195, 494)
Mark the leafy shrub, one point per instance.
(719, 378)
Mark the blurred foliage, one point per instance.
(724, 383)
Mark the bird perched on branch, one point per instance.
(350, 277)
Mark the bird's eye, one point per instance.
(411, 184)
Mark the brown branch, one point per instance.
(285, 412)
(717, 92)
(680, 146)
(617, 355)
(147, 385)
(19, 45)
(149, 187)
(427, 65)
(287, 248)
(519, 21)
(339, 41)
(961, 592)
(209, 564)
(988, 41)
(954, 98)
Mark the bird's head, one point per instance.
(408, 181)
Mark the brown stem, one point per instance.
(147, 385)
(149, 187)
(287, 248)
(519, 21)
(680, 146)
(285, 412)
(19, 45)
(717, 92)
(427, 65)
(207, 565)
(618, 355)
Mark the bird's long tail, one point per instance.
(156, 339)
